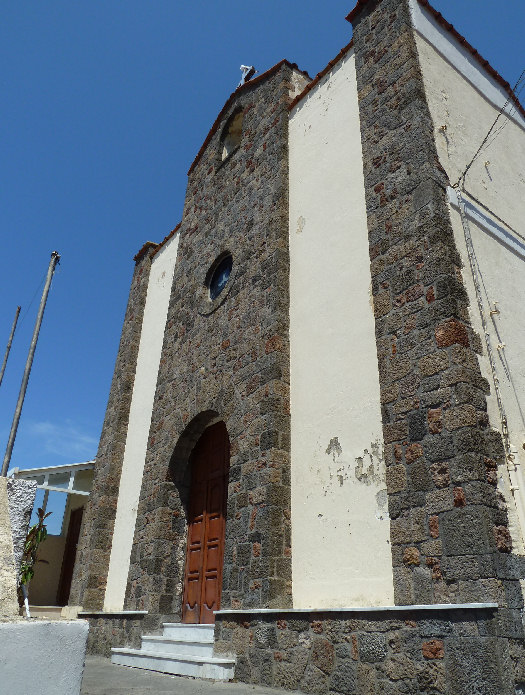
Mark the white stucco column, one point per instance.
(340, 525)
(150, 347)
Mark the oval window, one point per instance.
(220, 277)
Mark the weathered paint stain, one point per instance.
(368, 468)
(334, 448)
(382, 505)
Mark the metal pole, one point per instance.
(8, 348)
(18, 410)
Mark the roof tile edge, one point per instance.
(166, 239)
(153, 246)
(144, 250)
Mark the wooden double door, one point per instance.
(206, 525)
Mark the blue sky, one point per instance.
(104, 106)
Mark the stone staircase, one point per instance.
(183, 650)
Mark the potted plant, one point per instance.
(36, 535)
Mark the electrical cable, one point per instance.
(479, 297)
(501, 111)
(37, 291)
(510, 113)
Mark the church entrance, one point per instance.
(210, 461)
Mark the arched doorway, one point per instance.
(210, 461)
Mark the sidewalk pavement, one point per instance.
(101, 677)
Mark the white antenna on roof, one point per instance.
(248, 71)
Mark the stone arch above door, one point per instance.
(179, 462)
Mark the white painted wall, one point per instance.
(44, 585)
(464, 100)
(501, 270)
(467, 110)
(150, 347)
(340, 526)
(463, 61)
(42, 656)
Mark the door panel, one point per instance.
(206, 525)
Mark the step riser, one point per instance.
(180, 631)
(190, 648)
(175, 667)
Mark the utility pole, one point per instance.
(8, 348)
(18, 410)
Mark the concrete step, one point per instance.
(183, 631)
(160, 643)
(49, 612)
(214, 668)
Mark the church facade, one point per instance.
(315, 435)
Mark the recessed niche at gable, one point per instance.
(231, 133)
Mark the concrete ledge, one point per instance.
(363, 609)
(476, 213)
(43, 656)
(109, 614)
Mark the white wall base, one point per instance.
(44, 657)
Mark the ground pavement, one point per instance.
(101, 677)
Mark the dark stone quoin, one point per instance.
(450, 542)
(94, 548)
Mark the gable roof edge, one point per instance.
(268, 73)
(321, 74)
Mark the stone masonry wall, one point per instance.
(431, 652)
(110, 630)
(21, 495)
(8, 574)
(226, 359)
(448, 523)
(94, 548)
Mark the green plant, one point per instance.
(36, 535)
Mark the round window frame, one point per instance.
(213, 276)
(207, 304)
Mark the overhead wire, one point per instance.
(510, 113)
(487, 136)
(512, 464)
(37, 291)
(479, 298)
